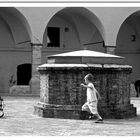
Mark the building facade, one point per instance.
(29, 34)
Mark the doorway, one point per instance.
(23, 74)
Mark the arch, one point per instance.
(127, 13)
(6, 36)
(128, 40)
(15, 37)
(17, 24)
(70, 17)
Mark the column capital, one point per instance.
(110, 49)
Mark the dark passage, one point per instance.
(23, 74)
(54, 36)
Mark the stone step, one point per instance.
(73, 111)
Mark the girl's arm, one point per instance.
(86, 86)
(98, 95)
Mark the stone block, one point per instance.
(19, 90)
(60, 90)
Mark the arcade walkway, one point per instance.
(19, 120)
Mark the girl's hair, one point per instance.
(89, 77)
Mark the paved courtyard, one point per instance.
(19, 120)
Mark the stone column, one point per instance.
(110, 49)
(36, 61)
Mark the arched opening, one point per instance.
(17, 29)
(15, 48)
(73, 28)
(128, 41)
(23, 74)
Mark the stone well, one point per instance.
(62, 97)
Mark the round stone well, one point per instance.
(61, 95)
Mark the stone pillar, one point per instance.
(110, 49)
(36, 61)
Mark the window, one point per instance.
(53, 34)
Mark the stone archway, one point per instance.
(17, 25)
(128, 41)
(15, 45)
(77, 28)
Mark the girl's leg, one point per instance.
(98, 116)
(85, 107)
(99, 120)
(93, 107)
(94, 111)
(85, 112)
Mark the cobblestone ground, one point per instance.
(19, 120)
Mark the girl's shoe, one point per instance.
(91, 116)
(99, 121)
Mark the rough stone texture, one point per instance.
(61, 95)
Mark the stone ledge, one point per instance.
(73, 111)
(80, 66)
(61, 107)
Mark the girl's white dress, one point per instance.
(91, 104)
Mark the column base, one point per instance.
(35, 85)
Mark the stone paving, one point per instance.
(19, 120)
